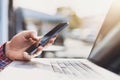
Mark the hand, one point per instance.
(15, 48)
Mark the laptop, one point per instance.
(101, 64)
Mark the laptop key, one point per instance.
(71, 68)
(64, 68)
(56, 67)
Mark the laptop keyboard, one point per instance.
(69, 67)
(75, 68)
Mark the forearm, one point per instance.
(4, 60)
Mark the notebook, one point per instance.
(101, 64)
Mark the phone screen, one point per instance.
(45, 39)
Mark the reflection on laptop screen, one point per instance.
(107, 46)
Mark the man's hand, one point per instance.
(15, 48)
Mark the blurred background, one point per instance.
(85, 18)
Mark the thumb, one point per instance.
(26, 56)
(31, 34)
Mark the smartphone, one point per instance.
(45, 39)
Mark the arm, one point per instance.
(16, 47)
(4, 61)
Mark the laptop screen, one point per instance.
(106, 50)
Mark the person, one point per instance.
(15, 48)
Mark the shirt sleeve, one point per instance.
(4, 61)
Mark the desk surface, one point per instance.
(39, 69)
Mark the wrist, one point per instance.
(8, 50)
(4, 60)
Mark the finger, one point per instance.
(31, 40)
(31, 34)
(51, 41)
(39, 51)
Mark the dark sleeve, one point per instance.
(4, 61)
